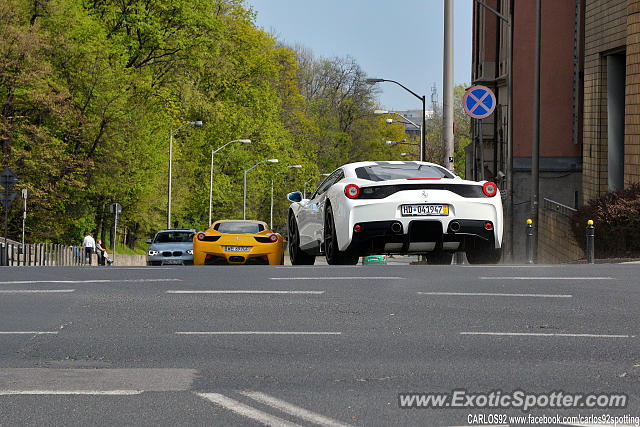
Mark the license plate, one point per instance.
(237, 248)
(173, 261)
(424, 210)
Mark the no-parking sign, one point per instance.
(479, 102)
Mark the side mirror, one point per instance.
(149, 241)
(295, 197)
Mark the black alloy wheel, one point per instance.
(333, 254)
(484, 256)
(297, 255)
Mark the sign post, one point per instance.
(24, 213)
(116, 208)
(479, 102)
(7, 180)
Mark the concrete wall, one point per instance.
(556, 185)
(556, 243)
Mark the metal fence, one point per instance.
(40, 254)
(559, 208)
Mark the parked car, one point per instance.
(396, 207)
(238, 242)
(171, 247)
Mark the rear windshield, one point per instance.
(238, 227)
(174, 237)
(401, 171)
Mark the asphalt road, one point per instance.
(333, 345)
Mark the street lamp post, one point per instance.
(196, 123)
(271, 216)
(244, 193)
(408, 122)
(244, 141)
(422, 98)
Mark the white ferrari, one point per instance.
(396, 207)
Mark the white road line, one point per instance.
(290, 409)
(26, 333)
(481, 294)
(71, 392)
(36, 291)
(336, 278)
(245, 410)
(89, 281)
(542, 334)
(545, 278)
(257, 333)
(247, 292)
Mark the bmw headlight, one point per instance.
(189, 251)
(152, 253)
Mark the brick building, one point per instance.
(560, 103)
(612, 96)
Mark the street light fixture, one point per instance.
(243, 141)
(404, 141)
(197, 123)
(422, 98)
(244, 199)
(407, 122)
(271, 217)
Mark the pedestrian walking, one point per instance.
(89, 246)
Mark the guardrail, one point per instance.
(40, 254)
(559, 208)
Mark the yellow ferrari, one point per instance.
(238, 242)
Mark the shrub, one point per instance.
(616, 216)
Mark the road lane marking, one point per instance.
(545, 278)
(101, 379)
(336, 278)
(247, 292)
(481, 294)
(71, 392)
(29, 282)
(542, 334)
(26, 333)
(256, 333)
(290, 409)
(245, 410)
(36, 291)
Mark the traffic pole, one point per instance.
(591, 233)
(529, 241)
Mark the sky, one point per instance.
(399, 40)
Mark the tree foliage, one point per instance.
(91, 90)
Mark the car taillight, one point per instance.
(490, 189)
(488, 226)
(273, 237)
(201, 236)
(352, 191)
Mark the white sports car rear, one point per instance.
(396, 207)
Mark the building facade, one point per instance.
(560, 134)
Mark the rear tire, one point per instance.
(439, 258)
(333, 254)
(297, 255)
(484, 256)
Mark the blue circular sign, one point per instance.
(479, 102)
